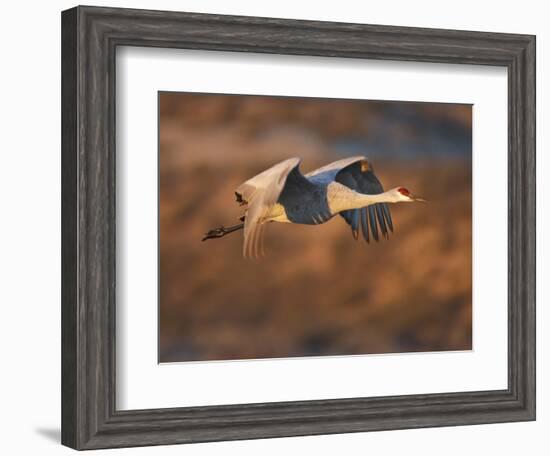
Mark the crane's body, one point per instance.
(283, 194)
(320, 204)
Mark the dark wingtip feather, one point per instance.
(373, 225)
(354, 222)
(387, 215)
(382, 221)
(365, 225)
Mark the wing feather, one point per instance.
(355, 223)
(372, 220)
(328, 172)
(365, 224)
(260, 193)
(381, 220)
(358, 174)
(387, 216)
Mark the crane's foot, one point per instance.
(215, 233)
(222, 231)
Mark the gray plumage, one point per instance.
(347, 187)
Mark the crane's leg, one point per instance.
(222, 231)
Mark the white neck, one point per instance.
(342, 198)
(361, 200)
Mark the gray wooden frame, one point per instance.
(90, 36)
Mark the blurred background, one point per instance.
(317, 291)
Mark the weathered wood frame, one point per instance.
(90, 36)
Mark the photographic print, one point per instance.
(297, 227)
(224, 249)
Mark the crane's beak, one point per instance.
(417, 198)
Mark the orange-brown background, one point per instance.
(318, 291)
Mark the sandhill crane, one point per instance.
(282, 193)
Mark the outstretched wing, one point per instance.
(260, 194)
(327, 173)
(357, 174)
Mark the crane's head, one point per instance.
(402, 194)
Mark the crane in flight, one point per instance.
(282, 193)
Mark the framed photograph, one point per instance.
(278, 227)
